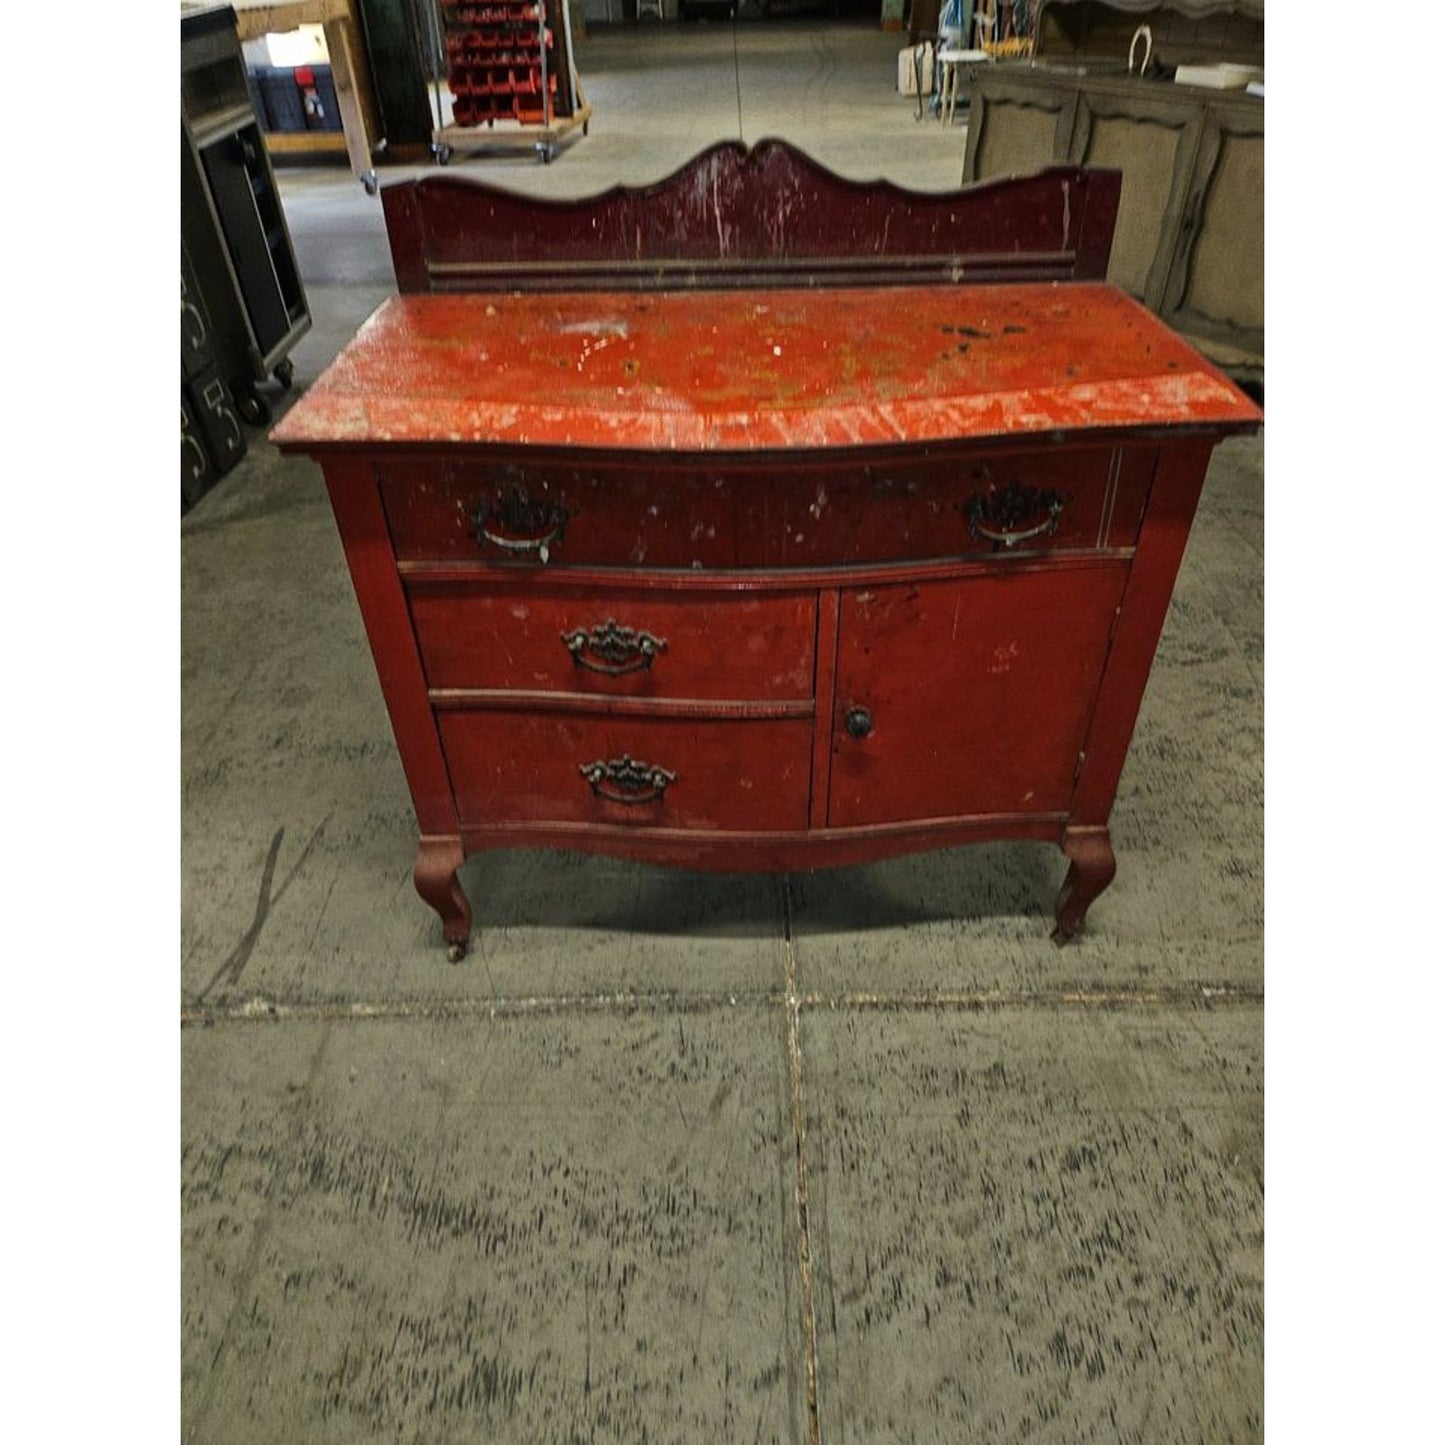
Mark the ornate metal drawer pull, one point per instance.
(615, 650)
(516, 522)
(997, 516)
(624, 780)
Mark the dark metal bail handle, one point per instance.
(611, 649)
(624, 780)
(995, 516)
(517, 522)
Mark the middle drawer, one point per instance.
(615, 642)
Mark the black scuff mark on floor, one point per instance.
(229, 973)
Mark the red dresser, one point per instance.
(760, 575)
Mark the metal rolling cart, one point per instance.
(511, 72)
(232, 226)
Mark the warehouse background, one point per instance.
(93, 1076)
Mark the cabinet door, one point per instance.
(1152, 140)
(1215, 287)
(971, 696)
(1015, 127)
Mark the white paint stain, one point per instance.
(588, 347)
(602, 326)
(1004, 656)
(722, 243)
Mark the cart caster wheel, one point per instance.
(546, 153)
(369, 183)
(253, 408)
(285, 373)
(443, 153)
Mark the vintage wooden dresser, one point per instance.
(761, 520)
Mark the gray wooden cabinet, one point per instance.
(1189, 242)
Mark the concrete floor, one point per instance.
(854, 1156)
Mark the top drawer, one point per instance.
(969, 504)
(648, 515)
(666, 514)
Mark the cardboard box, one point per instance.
(1218, 77)
(913, 61)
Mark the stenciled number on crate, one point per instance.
(625, 780)
(612, 649)
(193, 323)
(216, 401)
(202, 463)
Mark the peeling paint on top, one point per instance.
(603, 326)
(684, 371)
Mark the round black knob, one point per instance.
(859, 722)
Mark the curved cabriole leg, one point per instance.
(435, 875)
(1091, 870)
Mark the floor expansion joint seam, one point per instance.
(259, 1009)
(800, 1142)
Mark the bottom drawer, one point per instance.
(735, 775)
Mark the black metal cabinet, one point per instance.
(232, 226)
(212, 439)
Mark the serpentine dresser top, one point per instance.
(724, 570)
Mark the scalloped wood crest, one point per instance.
(740, 216)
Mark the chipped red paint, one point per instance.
(759, 370)
(739, 215)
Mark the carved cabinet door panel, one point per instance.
(1152, 140)
(1016, 126)
(1215, 283)
(968, 697)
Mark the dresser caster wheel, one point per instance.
(456, 952)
